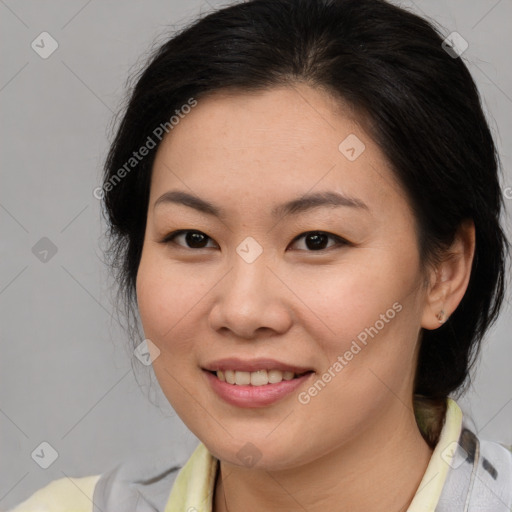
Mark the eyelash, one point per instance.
(339, 241)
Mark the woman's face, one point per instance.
(254, 283)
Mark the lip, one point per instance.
(253, 365)
(254, 396)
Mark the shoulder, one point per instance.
(492, 475)
(138, 484)
(62, 495)
(480, 473)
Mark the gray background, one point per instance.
(65, 366)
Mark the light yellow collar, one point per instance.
(431, 485)
(194, 486)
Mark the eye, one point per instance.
(193, 238)
(316, 240)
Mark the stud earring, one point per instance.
(440, 316)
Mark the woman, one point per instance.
(304, 204)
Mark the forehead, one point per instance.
(278, 142)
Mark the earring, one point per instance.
(440, 316)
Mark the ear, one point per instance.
(449, 280)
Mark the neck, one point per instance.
(380, 470)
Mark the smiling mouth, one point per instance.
(257, 378)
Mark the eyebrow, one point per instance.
(303, 204)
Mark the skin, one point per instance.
(246, 153)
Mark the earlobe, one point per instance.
(436, 312)
(441, 316)
(451, 278)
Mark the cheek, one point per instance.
(348, 298)
(166, 294)
(367, 341)
(168, 298)
(367, 310)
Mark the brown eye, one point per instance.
(193, 239)
(318, 240)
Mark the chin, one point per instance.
(258, 453)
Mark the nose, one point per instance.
(251, 301)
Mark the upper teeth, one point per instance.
(259, 378)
